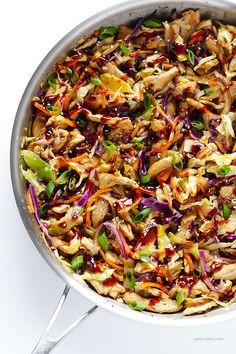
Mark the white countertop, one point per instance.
(29, 289)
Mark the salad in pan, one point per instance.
(131, 162)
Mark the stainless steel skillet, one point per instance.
(224, 10)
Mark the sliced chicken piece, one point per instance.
(113, 290)
(228, 191)
(231, 223)
(122, 127)
(39, 124)
(67, 222)
(198, 305)
(61, 209)
(99, 118)
(123, 31)
(61, 136)
(174, 268)
(207, 63)
(127, 230)
(159, 82)
(113, 70)
(165, 305)
(182, 27)
(228, 271)
(99, 211)
(207, 114)
(199, 289)
(76, 138)
(160, 166)
(109, 180)
(212, 45)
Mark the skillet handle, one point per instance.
(45, 343)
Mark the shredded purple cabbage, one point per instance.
(136, 29)
(166, 100)
(84, 199)
(142, 166)
(119, 239)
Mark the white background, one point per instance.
(29, 289)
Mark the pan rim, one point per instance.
(175, 320)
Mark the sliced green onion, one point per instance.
(177, 162)
(191, 57)
(137, 306)
(63, 178)
(42, 168)
(138, 140)
(73, 79)
(52, 82)
(49, 189)
(83, 122)
(69, 70)
(72, 183)
(196, 272)
(141, 215)
(208, 90)
(103, 241)
(144, 256)
(152, 23)
(109, 145)
(226, 211)
(182, 184)
(125, 49)
(147, 115)
(77, 262)
(145, 179)
(130, 279)
(42, 210)
(224, 170)
(96, 81)
(107, 32)
(180, 297)
(198, 125)
(147, 101)
(54, 109)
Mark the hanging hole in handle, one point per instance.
(46, 344)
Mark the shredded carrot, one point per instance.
(202, 152)
(167, 193)
(136, 129)
(175, 187)
(29, 202)
(136, 164)
(167, 66)
(65, 161)
(184, 173)
(43, 109)
(162, 272)
(68, 95)
(154, 285)
(69, 122)
(160, 148)
(147, 191)
(200, 213)
(90, 202)
(140, 51)
(188, 259)
(113, 265)
(70, 200)
(164, 115)
(91, 72)
(163, 176)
